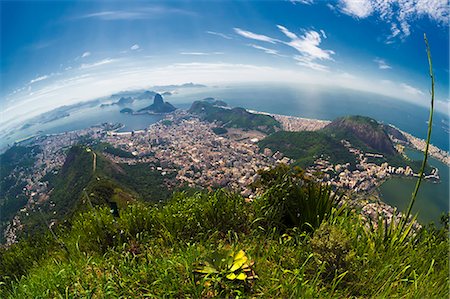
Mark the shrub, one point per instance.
(290, 200)
(201, 214)
(226, 273)
(96, 231)
(332, 250)
(137, 219)
(16, 260)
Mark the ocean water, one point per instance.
(87, 117)
(302, 101)
(432, 198)
(312, 102)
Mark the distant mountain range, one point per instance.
(185, 85)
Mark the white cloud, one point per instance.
(382, 64)
(86, 54)
(40, 78)
(143, 13)
(410, 89)
(255, 36)
(266, 50)
(356, 8)
(397, 13)
(219, 34)
(308, 45)
(304, 61)
(115, 15)
(135, 47)
(96, 64)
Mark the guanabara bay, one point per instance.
(224, 149)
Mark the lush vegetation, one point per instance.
(108, 148)
(77, 187)
(219, 130)
(14, 162)
(305, 147)
(215, 244)
(368, 135)
(362, 132)
(149, 184)
(235, 117)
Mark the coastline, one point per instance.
(297, 124)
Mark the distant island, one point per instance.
(158, 106)
(127, 111)
(121, 102)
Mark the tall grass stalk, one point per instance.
(430, 125)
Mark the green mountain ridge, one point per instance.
(306, 146)
(362, 132)
(77, 187)
(211, 110)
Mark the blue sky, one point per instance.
(62, 52)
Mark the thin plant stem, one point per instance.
(430, 125)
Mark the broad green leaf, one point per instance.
(207, 270)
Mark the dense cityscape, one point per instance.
(186, 146)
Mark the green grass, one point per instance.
(108, 148)
(155, 251)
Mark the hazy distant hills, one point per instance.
(185, 85)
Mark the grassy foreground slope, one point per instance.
(208, 245)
